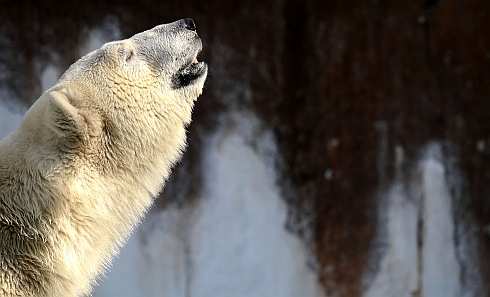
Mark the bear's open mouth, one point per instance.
(189, 73)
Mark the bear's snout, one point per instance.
(189, 24)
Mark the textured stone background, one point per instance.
(341, 83)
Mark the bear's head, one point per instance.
(165, 56)
(139, 91)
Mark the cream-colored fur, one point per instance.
(90, 154)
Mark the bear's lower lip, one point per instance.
(189, 74)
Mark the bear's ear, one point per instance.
(67, 120)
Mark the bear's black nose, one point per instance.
(189, 24)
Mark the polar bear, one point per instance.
(89, 155)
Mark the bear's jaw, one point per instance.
(189, 74)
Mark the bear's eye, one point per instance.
(129, 55)
(126, 54)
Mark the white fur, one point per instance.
(90, 154)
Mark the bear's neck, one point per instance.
(109, 203)
(82, 214)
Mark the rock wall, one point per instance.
(378, 109)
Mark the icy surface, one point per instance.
(239, 241)
(9, 120)
(421, 256)
(440, 271)
(153, 262)
(49, 77)
(11, 113)
(398, 271)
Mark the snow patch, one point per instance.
(153, 262)
(49, 77)
(440, 271)
(421, 258)
(243, 230)
(398, 272)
